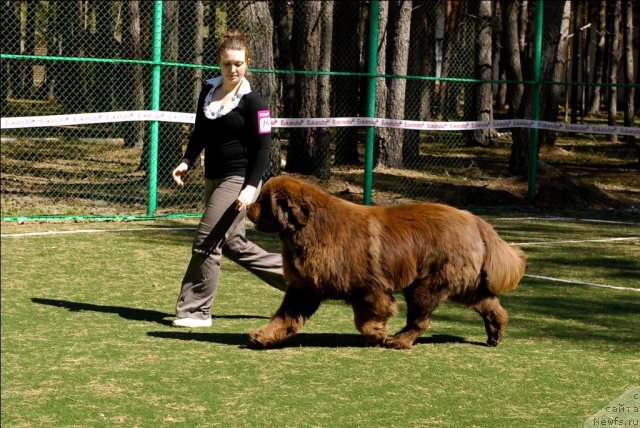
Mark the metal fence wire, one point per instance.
(69, 58)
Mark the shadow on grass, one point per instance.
(134, 314)
(307, 340)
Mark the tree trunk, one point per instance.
(133, 99)
(69, 30)
(483, 94)
(499, 90)
(323, 161)
(523, 21)
(189, 29)
(101, 90)
(170, 141)
(11, 25)
(381, 135)
(419, 92)
(551, 93)
(576, 59)
(198, 54)
(27, 47)
(282, 56)
(629, 92)
(399, 30)
(598, 66)
(454, 12)
(513, 67)
(614, 64)
(348, 46)
(307, 43)
(519, 159)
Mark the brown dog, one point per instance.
(335, 249)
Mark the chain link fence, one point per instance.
(77, 58)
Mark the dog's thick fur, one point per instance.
(335, 249)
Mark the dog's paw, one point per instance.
(494, 339)
(397, 343)
(257, 341)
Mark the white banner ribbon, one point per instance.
(331, 122)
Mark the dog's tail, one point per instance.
(503, 264)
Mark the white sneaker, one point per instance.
(191, 322)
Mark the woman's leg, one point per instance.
(266, 266)
(200, 281)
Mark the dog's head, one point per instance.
(282, 206)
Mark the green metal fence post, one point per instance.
(374, 12)
(535, 103)
(152, 169)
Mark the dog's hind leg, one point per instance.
(371, 312)
(296, 308)
(494, 316)
(422, 299)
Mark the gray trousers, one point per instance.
(221, 231)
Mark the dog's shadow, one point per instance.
(309, 340)
(302, 340)
(135, 314)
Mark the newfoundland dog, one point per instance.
(335, 249)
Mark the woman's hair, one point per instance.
(233, 40)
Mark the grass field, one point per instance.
(87, 341)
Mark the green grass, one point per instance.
(87, 342)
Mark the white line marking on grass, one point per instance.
(69, 232)
(569, 281)
(576, 241)
(586, 220)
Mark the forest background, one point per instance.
(435, 61)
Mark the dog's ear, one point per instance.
(291, 211)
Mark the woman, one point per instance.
(233, 128)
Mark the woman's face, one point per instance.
(233, 65)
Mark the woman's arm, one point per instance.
(258, 121)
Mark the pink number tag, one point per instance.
(264, 122)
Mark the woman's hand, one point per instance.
(178, 172)
(245, 198)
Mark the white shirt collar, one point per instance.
(213, 113)
(245, 86)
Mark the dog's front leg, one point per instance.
(372, 310)
(296, 308)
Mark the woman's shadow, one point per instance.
(134, 314)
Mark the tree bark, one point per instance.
(552, 18)
(598, 66)
(454, 12)
(513, 66)
(419, 92)
(551, 93)
(11, 25)
(614, 64)
(282, 56)
(323, 162)
(381, 135)
(305, 153)
(348, 47)
(483, 94)
(170, 141)
(629, 92)
(576, 59)
(399, 28)
(134, 132)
